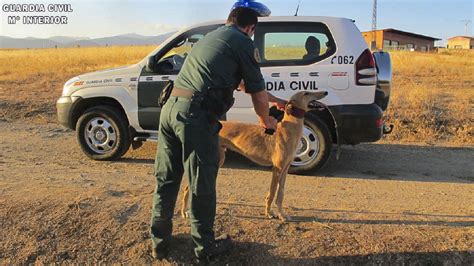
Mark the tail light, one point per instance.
(379, 123)
(365, 73)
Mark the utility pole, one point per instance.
(466, 26)
(374, 26)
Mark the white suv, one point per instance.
(112, 109)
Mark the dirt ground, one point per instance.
(379, 204)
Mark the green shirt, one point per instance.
(222, 59)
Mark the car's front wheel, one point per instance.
(314, 149)
(102, 133)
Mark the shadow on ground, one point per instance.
(379, 161)
(248, 253)
(390, 162)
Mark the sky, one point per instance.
(100, 18)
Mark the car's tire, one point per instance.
(315, 149)
(102, 133)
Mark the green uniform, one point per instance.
(188, 141)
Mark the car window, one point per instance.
(177, 51)
(182, 48)
(293, 43)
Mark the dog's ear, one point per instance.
(290, 104)
(289, 107)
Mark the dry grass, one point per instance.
(64, 63)
(287, 53)
(32, 80)
(432, 96)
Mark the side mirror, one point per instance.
(193, 40)
(151, 64)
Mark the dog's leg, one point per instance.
(281, 194)
(271, 193)
(184, 202)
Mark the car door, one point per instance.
(150, 85)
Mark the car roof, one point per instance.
(278, 19)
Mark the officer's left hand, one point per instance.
(280, 104)
(242, 86)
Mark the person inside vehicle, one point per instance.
(313, 48)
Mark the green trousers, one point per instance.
(187, 143)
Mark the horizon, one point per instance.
(92, 19)
(100, 37)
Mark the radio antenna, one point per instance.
(298, 8)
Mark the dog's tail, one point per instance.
(222, 151)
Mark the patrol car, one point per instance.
(113, 109)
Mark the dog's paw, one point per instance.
(284, 218)
(270, 215)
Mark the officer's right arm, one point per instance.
(249, 58)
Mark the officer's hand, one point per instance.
(242, 86)
(272, 122)
(270, 126)
(280, 104)
(269, 123)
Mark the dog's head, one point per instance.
(305, 100)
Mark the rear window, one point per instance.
(294, 43)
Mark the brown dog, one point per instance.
(276, 150)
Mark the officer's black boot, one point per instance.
(161, 253)
(222, 246)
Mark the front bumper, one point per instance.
(64, 105)
(358, 123)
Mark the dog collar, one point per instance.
(294, 111)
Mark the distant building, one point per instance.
(392, 39)
(461, 42)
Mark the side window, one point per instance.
(293, 43)
(184, 47)
(170, 59)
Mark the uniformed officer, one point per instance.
(188, 132)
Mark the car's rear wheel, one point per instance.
(314, 149)
(102, 133)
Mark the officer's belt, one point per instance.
(184, 93)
